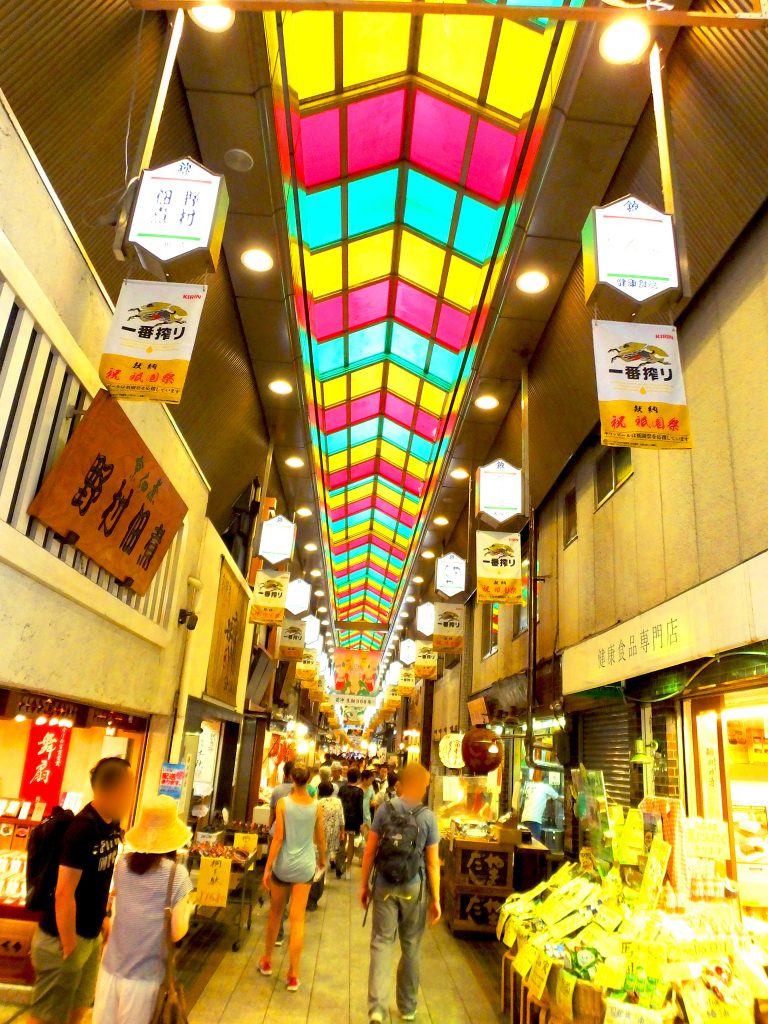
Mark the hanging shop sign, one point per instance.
(629, 247)
(172, 778)
(278, 536)
(109, 497)
(290, 646)
(42, 778)
(425, 666)
(149, 345)
(499, 568)
(177, 221)
(449, 628)
(228, 636)
(356, 671)
(450, 574)
(306, 668)
(312, 632)
(640, 386)
(269, 594)
(353, 708)
(406, 683)
(408, 651)
(299, 593)
(499, 491)
(425, 618)
(449, 750)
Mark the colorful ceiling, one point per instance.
(405, 144)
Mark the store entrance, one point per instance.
(727, 743)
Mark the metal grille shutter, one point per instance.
(607, 735)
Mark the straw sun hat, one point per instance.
(159, 829)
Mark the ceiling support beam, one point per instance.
(670, 19)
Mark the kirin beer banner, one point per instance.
(269, 594)
(406, 684)
(449, 628)
(499, 568)
(291, 644)
(640, 386)
(306, 669)
(425, 666)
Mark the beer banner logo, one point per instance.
(449, 628)
(291, 644)
(406, 684)
(499, 568)
(150, 341)
(356, 671)
(306, 669)
(425, 666)
(640, 386)
(269, 594)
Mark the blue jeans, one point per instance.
(534, 827)
(400, 913)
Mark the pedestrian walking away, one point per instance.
(333, 823)
(401, 885)
(66, 947)
(280, 791)
(290, 870)
(136, 953)
(353, 801)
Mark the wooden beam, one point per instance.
(652, 16)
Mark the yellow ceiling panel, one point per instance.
(403, 383)
(454, 51)
(432, 399)
(517, 69)
(334, 391)
(310, 52)
(370, 258)
(375, 46)
(325, 272)
(362, 382)
(421, 262)
(463, 284)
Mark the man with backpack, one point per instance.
(352, 800)
(69, 869)
(401, 883)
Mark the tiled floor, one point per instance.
(459, 980)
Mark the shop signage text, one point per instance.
(172, 780)
(499, 568)
(450, 574)
(499, 491)
(43, 773)
(228, 636)
(269, 595)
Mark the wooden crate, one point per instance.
(469, 908)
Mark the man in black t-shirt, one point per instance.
(66, 948)
(352, 798)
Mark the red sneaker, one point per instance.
(265, 967)
(293, 983)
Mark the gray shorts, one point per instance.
(64, 985)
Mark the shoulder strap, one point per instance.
(170, 961)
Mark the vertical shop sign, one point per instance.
(306, 669)
(269, 595)
(108, 495)
(291, 644)
(449, 628)
(407, 651)
(425, 618)
(172, 780)
(406, 683)
(43, 775)
(177, 221)
(150, 341)
(499, 568)
(450, 574)
(356, 671)
(213, 881)
(299, 593)
(640, 386)
(709, 765)
(425, 666)
(228, 636)
(499, 491)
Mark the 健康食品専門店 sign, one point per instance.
(499, 568)
(108, 495)
(640, 386)
(269, 594)
(149, 345)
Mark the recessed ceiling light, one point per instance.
(311, 546)
(303, 512)
(212, 16)
(403, 615)
(532, 282)
(427, 554)
(486, 402)
(410, 599)
(322, 609)
(280, 387)
(400, 628)
(440, 521)
(294, 462)
(315, 573)
(625, 41)
(239, 160)
(257, 260)
(459, 474)
(325, 622)
(319, 593)
(418, 579)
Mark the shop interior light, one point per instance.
(294, 462)
(427, 554)
(311, 546)
(303, 512)
(440, 521)
(459, 474)
(212, 16)
(41, 720)
(54, 721)
(486, 402)
(20, 718)
(257, 260)
(625, 41)
(280, 387)
(532, 282)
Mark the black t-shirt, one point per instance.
(89, 845)
(352, 797)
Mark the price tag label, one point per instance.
(213, 881)
(537, 979)
(524, 960)
(564, 989)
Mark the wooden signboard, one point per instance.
(108, 495)
(228, 636)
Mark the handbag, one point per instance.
(171, 1004)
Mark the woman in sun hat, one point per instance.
(135, 957)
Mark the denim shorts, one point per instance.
(64, 985)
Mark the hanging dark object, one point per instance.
(482, 751)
